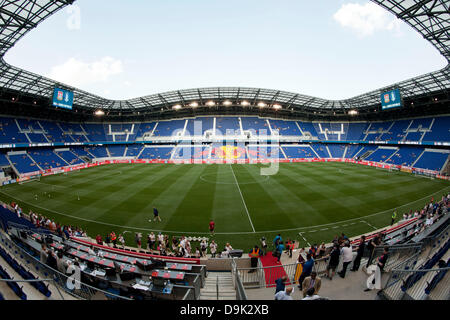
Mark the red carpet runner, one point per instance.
(272, 274)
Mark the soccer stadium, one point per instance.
(224, 193)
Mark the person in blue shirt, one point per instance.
(279, 250)
(277, 240)
(307, 269)
(281, 284)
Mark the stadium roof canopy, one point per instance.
(431, 18)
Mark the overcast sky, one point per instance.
(122, 49)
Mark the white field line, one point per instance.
(369, 224)
(301, 235)
(243, 201)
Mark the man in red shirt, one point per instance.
(211, 226)
(99, 240)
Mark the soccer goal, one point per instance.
(32, 179)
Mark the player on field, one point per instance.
(156, 215)
(212, 225)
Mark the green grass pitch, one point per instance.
(319, 200)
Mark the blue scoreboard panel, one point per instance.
(62, 98)
(391, 99)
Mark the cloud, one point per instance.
(79, 73)
(366, 19)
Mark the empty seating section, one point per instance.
(116, 151)
(405, 156)
(46, 159)
(80, 152)
(156, 153)
(70, 158)
(321, 150)
(365, 151)
(3, 160)
(255, 125)
(432, 160)
(308, 127)
(169, 128)
(440, 131)
(133, 151)
(198, 126)
(355, 131)
(285, 128)
(144, 128)
(298, 152)
(397, 131)
(42, 131)
(381, 155)
(95, 132)
(227, 126)
(23, 163)
(352, 151)
(336, 150)
(98, 152)
(37, 138)
(54, 133)
(9, 132)
(265, 152)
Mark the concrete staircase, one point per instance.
(218, 286)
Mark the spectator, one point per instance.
(347, 255)
(290, 247)
(277, 240)
(310, 295)
(334, 261)
(203, 247)
(280, 284)
(322, 250)
(98, 238)
(44, 254)
(279, 251)
(359, 253)
(307, 269)
(313, 281)
(213, 248)
(60, 263)
(381, 263)
(254, 255)
(284, 295)
(122, 241)
(138, 238)
(371, 247)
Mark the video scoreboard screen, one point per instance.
(391, 99)
(62, 98)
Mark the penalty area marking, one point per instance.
(335, 224)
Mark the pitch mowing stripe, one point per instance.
(155, 185)
(242, 197)
(222, 233)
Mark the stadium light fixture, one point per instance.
(245, 103)
(99, 113)
(194, 104)
(277, 106)
(210, 103)
(261, 104)
(227, 103)
(353, 112)
(177, 107)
